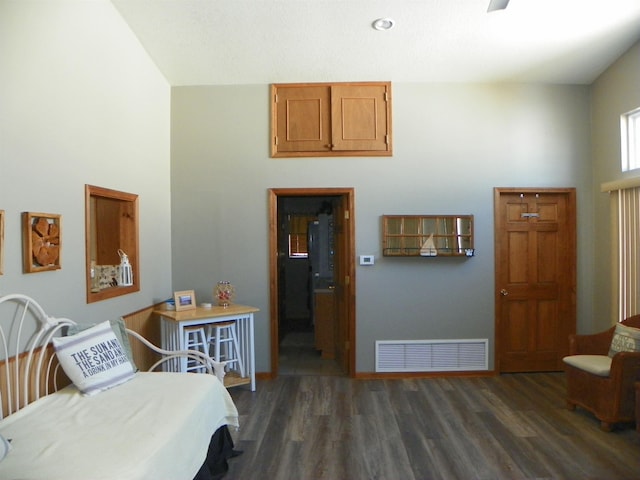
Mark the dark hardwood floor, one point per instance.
(297, 356)
(505, 427)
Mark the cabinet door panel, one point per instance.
(303, 120)
(325, 323)
(359, 117)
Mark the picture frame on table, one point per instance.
(184, 300)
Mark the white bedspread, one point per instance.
(156, 426)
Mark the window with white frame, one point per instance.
(630, 140)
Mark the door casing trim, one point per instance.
(348, 195)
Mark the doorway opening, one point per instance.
(311, 270)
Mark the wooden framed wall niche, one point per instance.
(111, 225)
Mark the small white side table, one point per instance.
(172, 331)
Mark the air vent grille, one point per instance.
(431, 355)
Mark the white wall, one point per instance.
(614, 93)
(81, 103)
(452, 145)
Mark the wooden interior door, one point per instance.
(535, 247)
(344, 245)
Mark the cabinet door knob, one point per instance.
(504, 292)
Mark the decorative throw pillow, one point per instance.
(94, 359)
(625, 339)
(119, 328)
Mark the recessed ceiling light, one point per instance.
(383, 24)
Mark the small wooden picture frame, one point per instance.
(185, 300)
(1, 242)
(42, 241)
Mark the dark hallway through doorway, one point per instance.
(306, 279)
(312, 280)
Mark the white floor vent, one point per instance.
(431, 355)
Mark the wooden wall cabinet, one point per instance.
(331, 119)
(427, 235)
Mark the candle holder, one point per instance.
(224, 293)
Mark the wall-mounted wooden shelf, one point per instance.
(427, 235)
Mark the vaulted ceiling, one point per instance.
(217, 42)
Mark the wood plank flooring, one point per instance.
(505, 427)
(297, 356)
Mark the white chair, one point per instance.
(195, 339)
(223, 338)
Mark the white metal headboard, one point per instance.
(25, 331)
(30, 369)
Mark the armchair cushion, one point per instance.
(597, 364)
(625, 339)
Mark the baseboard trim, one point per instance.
(409, 375)
(400, 376)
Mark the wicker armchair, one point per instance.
(610, 397)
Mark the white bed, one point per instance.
(156, 425)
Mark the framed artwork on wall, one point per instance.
(185, 300)
(42, 241)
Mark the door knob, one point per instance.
(504, 292)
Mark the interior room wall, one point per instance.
(81, 103)
(614, 93)
(452, 145)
